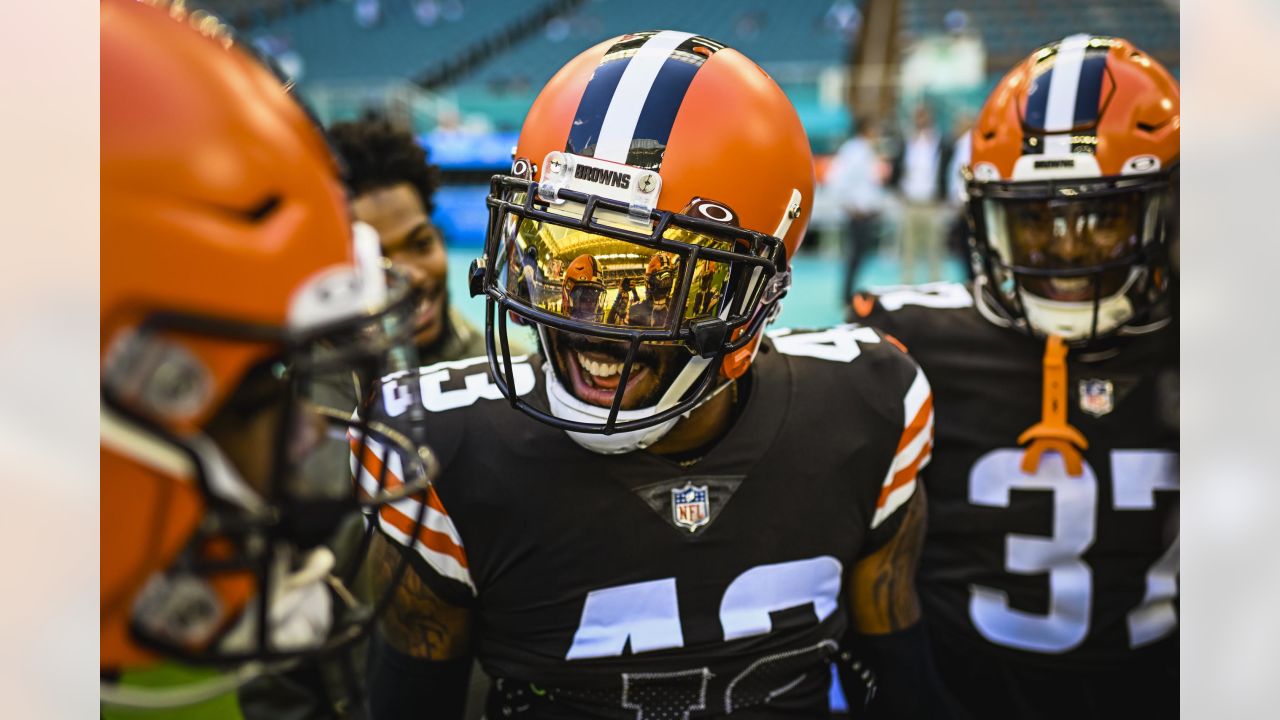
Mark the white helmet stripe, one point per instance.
(632, 92)
(1064, 83)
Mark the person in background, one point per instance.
(920, 178)
(215, 181)
(958, 224)
(392, 188)
(857, 176)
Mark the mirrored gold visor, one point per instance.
(605, 281)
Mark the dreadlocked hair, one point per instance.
(378, 155)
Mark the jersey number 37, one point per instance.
(1137, 475)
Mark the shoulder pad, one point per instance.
(841, 343)
(835, 344)
(932, 295)
(454, 384)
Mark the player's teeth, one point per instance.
(1069, 284)
(601, 370)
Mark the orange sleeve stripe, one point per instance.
(373, 465)
(896, 342)
(917, 423)
(904, 476)
(433, 540)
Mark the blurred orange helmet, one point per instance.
(1075, 155)
(230, 286)
(648, 144)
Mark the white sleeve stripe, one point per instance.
(896, 499)
(409, 507)
(908, 454)
(395, 466)
(446, 565)
(916, 396)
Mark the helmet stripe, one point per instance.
(1087, 96)
(653, 127)
(632, 93)
(630, 105)
(1090, 89)
(1033, 117)
(585, 130)
(1060, 105)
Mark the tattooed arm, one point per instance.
(884, 583)
(417, 622)
(420, 656)
(887, 638)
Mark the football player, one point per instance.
(232, 284)
(393, 189)
(655, 309)
(1050, 572)
(697, 520)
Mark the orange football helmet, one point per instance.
(1075, 156)
(651, 144)
(232, 291)
(583, 290)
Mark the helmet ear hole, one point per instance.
(157, 376)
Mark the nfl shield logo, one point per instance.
(689, 506)
(1097, 397)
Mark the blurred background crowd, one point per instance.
(886, 90)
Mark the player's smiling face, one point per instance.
(592, 369)
(413, 243)
(1078, 234)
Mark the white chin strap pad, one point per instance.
(565, 406)
(1074, 320)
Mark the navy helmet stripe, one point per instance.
(1033, 118)
(1090, 88)
(1038, 100)
(594, 104)
(630, 104)
(658, 115)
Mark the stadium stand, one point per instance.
(1012, 28)
(488, 59)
